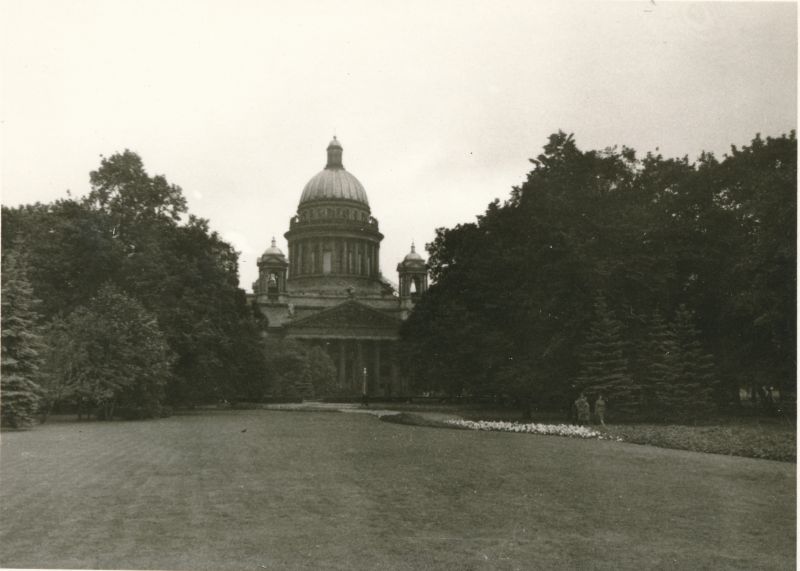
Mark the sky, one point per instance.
(438, 104)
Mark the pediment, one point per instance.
(350, 315)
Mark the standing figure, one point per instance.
(583, 410)
(600, 410)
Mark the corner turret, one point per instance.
(272, 268)
(413, 274)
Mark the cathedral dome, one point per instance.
(334, 182)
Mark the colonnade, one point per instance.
(343, 256)
(364, 366)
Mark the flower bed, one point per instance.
(569, 430)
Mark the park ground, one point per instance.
(271, 489)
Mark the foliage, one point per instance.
(511, 308)
(133, 230)
(695, 368)
(111, 353)
(658, 354)
(71, 251)
(604, 368)
(322, 371)
(680, 375)
(21, 344)
(296, 371)
(131, 198)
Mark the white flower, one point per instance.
(533, 428)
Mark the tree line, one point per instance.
(121, 303)
(668, 285)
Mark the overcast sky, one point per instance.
(438, 104)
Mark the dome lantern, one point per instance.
(334, 154)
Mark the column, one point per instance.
(371, 252)
(359, 372)
(298, 268)
(377, 365)
(354, 367)
(395, 386)
(342, 363)
(334, 256)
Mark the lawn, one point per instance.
(272, 490)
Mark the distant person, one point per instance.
(365, 400)
(600, 410)
(583, 410)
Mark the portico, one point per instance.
(362, 344)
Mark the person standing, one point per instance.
(600, 409)
(582, 408)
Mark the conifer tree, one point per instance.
(604, 367)
(692, 395)
(660, 369)
(21, 345)
(678, 380)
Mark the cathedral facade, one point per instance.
(329, 291)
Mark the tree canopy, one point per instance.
(513, 307)
(108, 354)
(132, 232)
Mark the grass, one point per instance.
(769, 438)
(272, 489)
(770, 441)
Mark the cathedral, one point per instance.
(329, 291)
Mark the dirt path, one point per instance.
(354, 408)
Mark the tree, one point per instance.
(296, 370)
(756, 187)
(114, 355)
(286, 368)
(131, 230)
(322, 371)
(70, 249)
(660, 369)
(693, 390)
(512, 297)
(60, 362)
(21, 344)
(122, 188)
(604, 367)
(514, 291)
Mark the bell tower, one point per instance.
(272, 267)
(413, 276)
